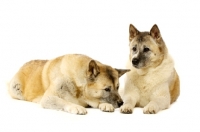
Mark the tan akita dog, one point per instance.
(153, 82)
(70, 83)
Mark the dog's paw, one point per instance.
(106, 107)
(126, 109)
(151, 108)
(76, 109)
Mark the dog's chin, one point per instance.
(139, 66)
(136, 66)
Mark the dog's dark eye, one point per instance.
(146, 49)
(107, 89)
(134, 48)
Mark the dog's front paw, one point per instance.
(126, 109)
(106, 107)
(151, 108)
(76, 109)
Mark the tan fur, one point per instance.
(174, 88)
(153, 82)
(70, 83)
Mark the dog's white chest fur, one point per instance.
(143, 85)
(146, 82)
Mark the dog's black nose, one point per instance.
(135, 61)
(120, 103)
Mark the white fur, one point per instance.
(148, 88)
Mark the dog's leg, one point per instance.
(130, 99)
(159, 100)
(51, 101)
(15, 89)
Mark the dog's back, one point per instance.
(33, 78)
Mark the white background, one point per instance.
(45, 29)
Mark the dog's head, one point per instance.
(102, 84)
(147, 49)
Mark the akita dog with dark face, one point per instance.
(70, 83)
(153, 82)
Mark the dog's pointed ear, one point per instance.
(121, 71)
(155, 32)
(93, 70)
(132, 32)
